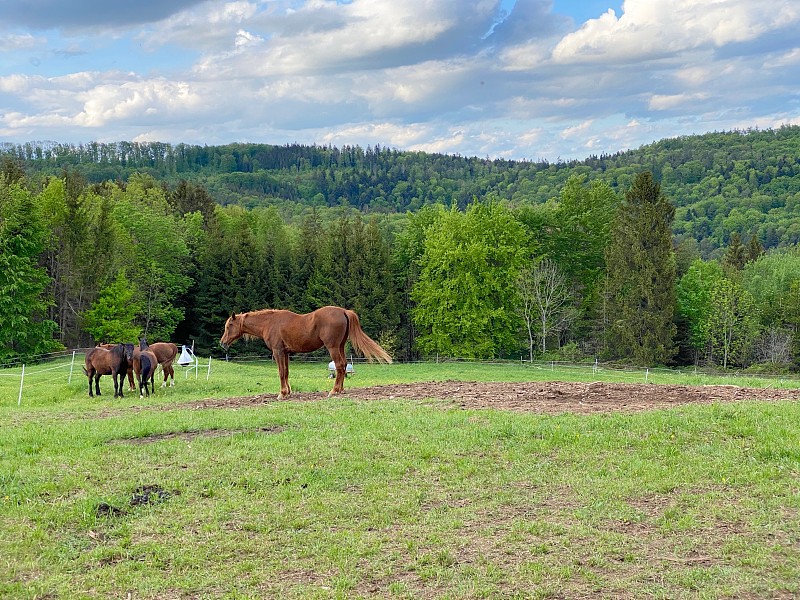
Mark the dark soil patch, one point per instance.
(188, 436)
(141, 496)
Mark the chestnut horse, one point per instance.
(165, 353)
(285, 332)
(112, 361)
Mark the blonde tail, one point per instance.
(363, 343)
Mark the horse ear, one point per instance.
(233, 315)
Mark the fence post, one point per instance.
(21, 380)
(72, 364)
(646, 374)
(208, 373)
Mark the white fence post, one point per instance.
(72, 364)
(21, 380)
(208, 373)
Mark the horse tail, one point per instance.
(147, 367)
(363, 343)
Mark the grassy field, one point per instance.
(152, 498)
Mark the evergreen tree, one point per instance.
(309, 276)
(754, 249)
(736, 254)
(640, 288)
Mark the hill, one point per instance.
(724, 182)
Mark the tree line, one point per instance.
(720, 183)
(592, 272)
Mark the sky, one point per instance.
(526, 79)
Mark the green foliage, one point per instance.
(24, 329)
(156, 256)
(732, 323)
(694, 301)
(641, 276)
(111, 319)
(292, 235)
(466, 290)
(770, 281)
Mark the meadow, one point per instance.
(338, 498)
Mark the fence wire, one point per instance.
(64, 366)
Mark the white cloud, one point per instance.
(651, 29)
(670, 102)
(23, 41)
(418, 74)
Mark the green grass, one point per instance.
(344, 499)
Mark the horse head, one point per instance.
(128, 353)
(233, 331)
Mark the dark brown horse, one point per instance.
(131, 387)
(285, 332)
(165, 353)
(104, 361)
(144, 366)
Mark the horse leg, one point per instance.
(337, 355)
(131, 386)
(90, 374)
(282, 360)
(171, 376)
(114, 379)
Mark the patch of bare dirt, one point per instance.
(540, 397)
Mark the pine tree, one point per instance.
(754, 249)
(736, 254)
(641, 276)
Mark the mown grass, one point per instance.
(344, 499)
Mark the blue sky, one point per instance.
(524, 79)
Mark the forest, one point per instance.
(683, 251)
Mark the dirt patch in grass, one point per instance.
(540, 397)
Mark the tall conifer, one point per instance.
(641, 276)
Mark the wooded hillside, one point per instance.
(720, 183)
(681, 251)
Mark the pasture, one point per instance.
(212, 489)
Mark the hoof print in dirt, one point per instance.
(150, 494)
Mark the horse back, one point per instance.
(164, 352)
(99, 360)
